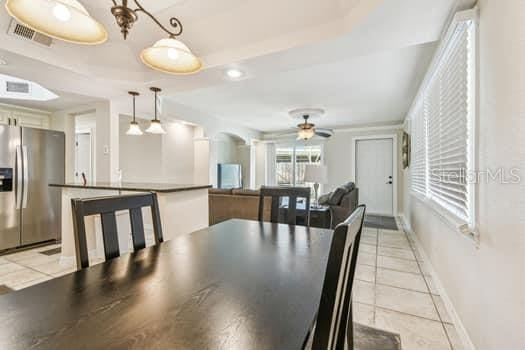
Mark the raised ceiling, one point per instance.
(360, 60)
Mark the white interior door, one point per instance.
(83, 157)
(374, 175)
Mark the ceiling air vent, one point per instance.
(21, 88)
(21, 31)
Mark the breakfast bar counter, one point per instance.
(183, 209)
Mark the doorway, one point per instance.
(374, 170)
(83, 163)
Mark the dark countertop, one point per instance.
(135, 187)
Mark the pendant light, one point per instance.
(66, 20)
(155, 126)
(171, 56)
(134, 128)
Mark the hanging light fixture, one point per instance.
(155, 126)
(66, 20)
(134, 128)
(306, 130)
(166, 55)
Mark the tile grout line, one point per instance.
(413, 246)
(375, 275)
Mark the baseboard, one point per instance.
(405, 222)
(460, 328)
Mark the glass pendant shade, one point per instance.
(155, 127)
(66, 20)
(305, 134)
(134, 129)
(171, 56)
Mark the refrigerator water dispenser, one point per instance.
(6, 179)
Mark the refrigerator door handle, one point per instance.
(26, 177)
(18, 177)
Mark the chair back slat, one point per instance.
(292, 210)
(110, 235)
(107, 207)
(137, 228)
(292, 193)
(334, 320)
(274, 213)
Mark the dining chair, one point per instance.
(107, 207)
(334, 322)
(292, 194)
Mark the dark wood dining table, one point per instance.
(236, 285)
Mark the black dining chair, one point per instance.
(334, 322)
(291, 194)
(106, 207)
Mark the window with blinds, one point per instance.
(419, 151)
(442, 126)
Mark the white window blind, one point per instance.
(442, 126)
(419, 151)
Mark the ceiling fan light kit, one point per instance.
(69, 21)
(306, 130)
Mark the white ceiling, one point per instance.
(366, 89)
(360, 60)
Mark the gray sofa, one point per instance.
(342, 202)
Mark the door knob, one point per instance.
(389, 183)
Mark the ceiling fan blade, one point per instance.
(326, 133)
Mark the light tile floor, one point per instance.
(394, 291)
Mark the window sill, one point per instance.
(458, 225)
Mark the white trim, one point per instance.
(447, 217)
(92, 150)
(370, 128)
(24, 109)
(353, 161)
(456, 320)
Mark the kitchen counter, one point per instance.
(183, 209)
(134, 187)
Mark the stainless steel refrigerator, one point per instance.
(30, 210)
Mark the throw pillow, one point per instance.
(324, 198)
(349, 186)
(336, 196)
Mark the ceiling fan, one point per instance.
(308, 130)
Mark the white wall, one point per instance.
(486, 284)
(106, 140)
(140, 156)
(338, 151)
(260, 164)
(226, 148)
(178, 158)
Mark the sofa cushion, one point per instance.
(323, 200)
(245, 192)
(220, 191)
(336, 196)
(349, 186)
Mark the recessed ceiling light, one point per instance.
(234, 73)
